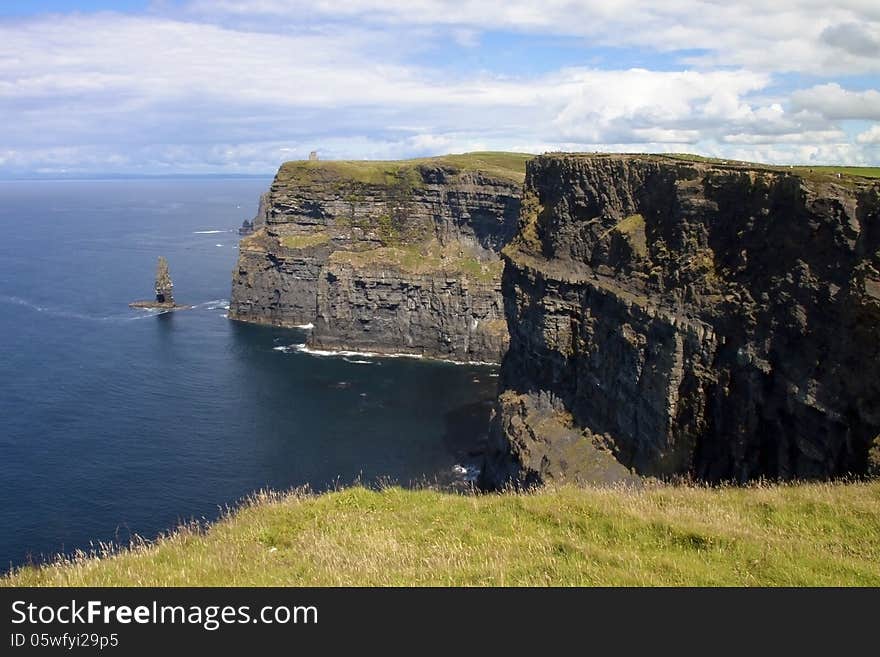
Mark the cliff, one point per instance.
(385, 256)
(671, 317)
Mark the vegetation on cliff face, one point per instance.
(305, 240)
(801, 534)
(425, 258)
(380, 256)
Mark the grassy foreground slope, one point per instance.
(820, 534)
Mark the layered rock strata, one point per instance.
(385, 256)
(713, 320)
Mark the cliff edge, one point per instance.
(672, 317)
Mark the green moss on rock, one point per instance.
(304, 241)
(422, 258)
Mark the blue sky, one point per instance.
(238, 86)
(36, 7)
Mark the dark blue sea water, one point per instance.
(116, 422)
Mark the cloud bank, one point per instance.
(241, 86)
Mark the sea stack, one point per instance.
(164, 290)
(164, 286)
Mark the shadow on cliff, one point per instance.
(466, 434)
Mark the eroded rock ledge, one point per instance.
(385, 256)
(713, 320)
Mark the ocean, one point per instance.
(117, 422)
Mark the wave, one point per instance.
(18, 301)
(305, 327)
(213, 304)
(56, 312)
(472, 363)
(210, 232)
(145, 313)
(347, 355)
(467, 472)
(131, 315)
(356, 354)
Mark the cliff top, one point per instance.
(506, 166)
(511, 167)
(818, 173)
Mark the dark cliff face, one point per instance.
(689, 319)
(385, 256)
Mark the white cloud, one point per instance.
(649, 106)
(784, 35)
(818, 154)
(855, 38)
(155, 93)
(807, 137)
(870, 136)
(835, 102)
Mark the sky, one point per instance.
(239, 86)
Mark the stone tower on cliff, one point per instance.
(164, 286)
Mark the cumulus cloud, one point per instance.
(835, 102)
(855, 38)
(232, 86)
(869, 136)
(785, 35)
(638, 106)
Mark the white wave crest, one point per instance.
(348, 355)
(356, 357)
(352, 354)
(473, 363)
(286, 349)
(467, 472)
(68, 314)
(209, 232)
(305, 327)
(213, 304)
(145, 313)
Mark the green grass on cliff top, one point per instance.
(804, 534)
(507, 166)
(801, 169)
